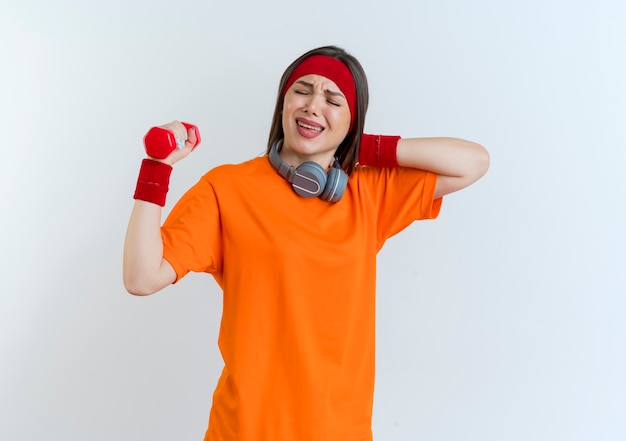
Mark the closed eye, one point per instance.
(334, 98)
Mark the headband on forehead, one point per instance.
(334, 70)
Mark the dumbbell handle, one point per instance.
(160, 142)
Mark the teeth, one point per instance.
(306, 126)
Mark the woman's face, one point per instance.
(315, 118)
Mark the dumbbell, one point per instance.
(160, 142)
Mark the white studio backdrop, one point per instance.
(501, 320)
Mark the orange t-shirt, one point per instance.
(299, 280)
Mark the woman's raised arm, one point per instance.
(459, 163)
(145, 271)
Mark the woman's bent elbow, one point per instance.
(140, 287)
(137, 289)
(142, 281)
(482, 161)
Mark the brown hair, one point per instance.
(348, 150)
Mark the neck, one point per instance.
(294, 158)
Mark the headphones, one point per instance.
(310, 179)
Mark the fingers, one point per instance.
(191, 136)
(179, 131)
(180, 143)
(171, 142)
(184, 133)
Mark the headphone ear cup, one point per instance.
(309, 179)
(335, 185)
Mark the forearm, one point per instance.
(144, 269)
(444, 156)
(458, 162)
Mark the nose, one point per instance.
(312, 105)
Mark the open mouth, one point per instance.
(309, 127)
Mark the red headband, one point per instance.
(334, 70)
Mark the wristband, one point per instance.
(153, 182)
(378, 150)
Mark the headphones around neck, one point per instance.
(310, 179)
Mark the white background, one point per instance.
(501, 320)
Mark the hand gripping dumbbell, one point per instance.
(160, 142)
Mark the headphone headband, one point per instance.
(310, 179)
(283, 169)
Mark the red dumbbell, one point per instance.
(160, 142)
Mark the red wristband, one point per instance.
(378, 150)
(153, 182)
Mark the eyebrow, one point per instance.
(328, 91)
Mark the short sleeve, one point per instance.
(192, 239)
(402, 195)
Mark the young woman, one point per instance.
(291, 238)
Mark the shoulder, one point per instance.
(243, 179)
(230, 171)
